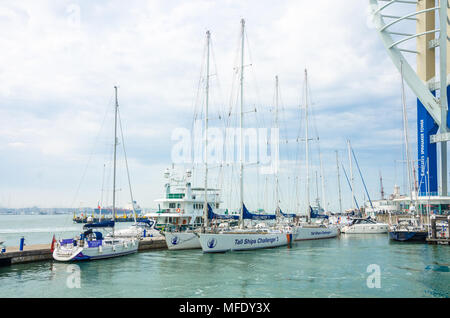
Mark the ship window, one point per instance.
(179, 205)
(217, 205)
(171, 205)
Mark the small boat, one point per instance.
(408, 229)
(364, 226)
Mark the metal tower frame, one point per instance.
(436, 107)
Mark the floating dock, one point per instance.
(43, 252)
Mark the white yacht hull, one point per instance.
(365, 229)
(223, 242)
(182, 240)
(68, 252)
(313, 233)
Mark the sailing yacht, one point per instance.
(308, 230)
(408, 229)
(242, 237)
(185, 210)
(92, 243)
(412, 228)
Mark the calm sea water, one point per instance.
(338, 267)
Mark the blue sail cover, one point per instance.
(107, 223)
(287, 215)
(250, 216)
(212, 215)
(315, 215)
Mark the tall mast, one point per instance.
(205, 205)
(339, 183)
(308, 211)
(405, 132)
(115, 151)
(241, 135)
(351, 174)
(277, 192)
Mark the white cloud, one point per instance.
(58, 77)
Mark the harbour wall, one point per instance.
(43, 252)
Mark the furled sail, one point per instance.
(250, 216)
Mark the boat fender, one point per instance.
(114, 248)
(100, 249)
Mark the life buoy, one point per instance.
(178, 210)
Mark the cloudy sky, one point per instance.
(61, 59)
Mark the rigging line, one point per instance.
(220, 111)
(258, 95)
(126, 164)
(103, 186)
(195, 105)
(109, 173)
(235, 74)
(313, 115)
(297, 153)
(233, 102)
(290, 156)
(348, 181)
(362, 179)
(405, 127)
(91, 154)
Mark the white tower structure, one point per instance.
(431, 87)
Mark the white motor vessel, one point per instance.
(365, 226)
(180, 212)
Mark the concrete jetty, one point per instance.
(42, 252)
